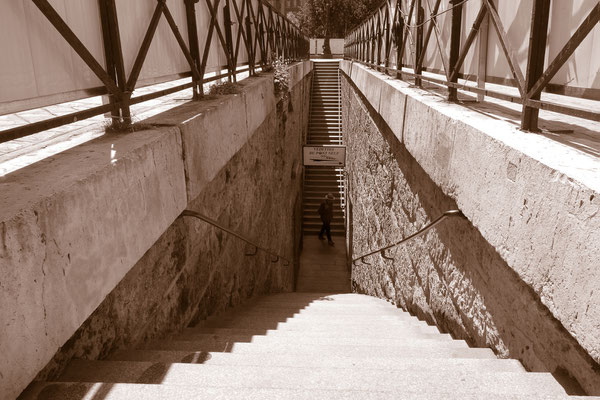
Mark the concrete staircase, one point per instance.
(324, 128)
(303, 346)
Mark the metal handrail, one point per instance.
(195, 214)
(447, 214)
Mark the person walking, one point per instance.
(326, 213)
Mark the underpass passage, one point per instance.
(324, 128)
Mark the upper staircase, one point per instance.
(324, 128)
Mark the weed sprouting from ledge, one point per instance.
(223, 88)
(119, 126)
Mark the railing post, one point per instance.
(114, 60)
(250, 51)
(454, 45)
(419, 42)
(229, 41)
(535, 60)
(399, 35)
(482, 39)
(192, 27)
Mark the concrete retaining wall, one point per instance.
(521, 275)
(94, 256)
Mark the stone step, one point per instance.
(423, 329)
(336, 228)
(302, 360)
(315, 200)
(357, 377)
(333, 175)
(304, 323)
(412, 348)
(314, 195)
(316, 313)
(324, 114)
(324, 186)
(336, 234)
(223, 341)
(310, 209)
(321, 297)
(336, 130)
(325, 140)
(337, 223)
(248, 335)
(395, 330)
(144, 372)
(318, 173)
(332, 134)
(128, 391)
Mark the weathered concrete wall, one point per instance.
(94, 256)
(520, 275)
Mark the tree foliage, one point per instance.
(333, 18)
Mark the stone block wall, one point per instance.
(113, 264)
(453, 276)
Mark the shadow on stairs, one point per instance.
(304, 345)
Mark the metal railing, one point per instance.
(260, 28)
(446, 215)
(393, 28)
(274, 256)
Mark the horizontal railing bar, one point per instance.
(195, 214)
(447, 214)
(36, 127)
(540, 104)
(40, 126)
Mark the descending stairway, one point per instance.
(312, 344)
(303, 346)
(324, 128)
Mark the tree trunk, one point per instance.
(326, 48)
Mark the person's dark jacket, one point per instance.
(326, 212)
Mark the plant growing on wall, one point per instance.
(281, 76)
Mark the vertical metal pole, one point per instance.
(114, 60)
(379, 37)
(250, 44)
(399, 36)
(455, 45)
(229, 41)
(535, 60)
(482, 54)
(419, 42)
(192, 28)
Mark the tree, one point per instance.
(332, 18)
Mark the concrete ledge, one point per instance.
(535, 200)
(213, 131)
(72, 226)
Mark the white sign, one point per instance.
(329, 156)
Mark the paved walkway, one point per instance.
(25, 151)
(323, 267)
